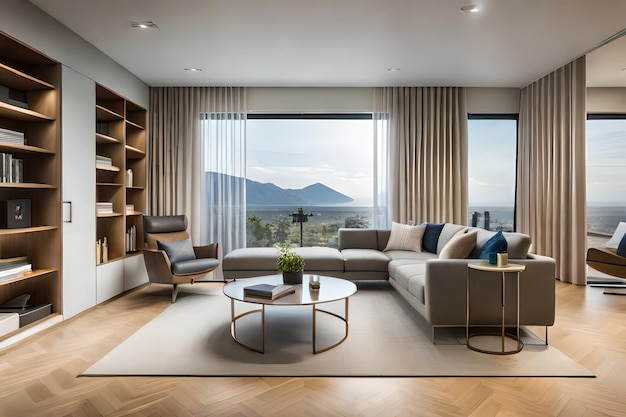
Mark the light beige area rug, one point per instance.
(386, 338)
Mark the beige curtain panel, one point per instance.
(175, 168)
(428, 137)
(551, 197)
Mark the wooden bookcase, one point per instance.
(36, 78)
(121, 137)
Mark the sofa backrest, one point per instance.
(363, 238)
(518, 244)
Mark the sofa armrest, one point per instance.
(446, 298)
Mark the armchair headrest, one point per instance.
(164, 224)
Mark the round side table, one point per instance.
(503, 270)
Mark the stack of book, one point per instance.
(267, 291)
(130, 208)
(104, 207)
(14, 267)
(104, 160)
(11, 137)
(11, 169)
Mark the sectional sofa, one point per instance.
(431, 275)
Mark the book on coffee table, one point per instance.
(268, 291)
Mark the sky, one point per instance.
(298, 153)
(606, 162)
(339, 154)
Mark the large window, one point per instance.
(492, 156)
(322, 164)
(606, 176)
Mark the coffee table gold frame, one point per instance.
(511, 268)
(331, 289)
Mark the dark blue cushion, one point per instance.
(431, 236)
(178, 250)
(497, 243)
(621, 249)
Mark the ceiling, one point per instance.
(350, 43)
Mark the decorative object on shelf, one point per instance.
(17, 213)
(13, 96)
(105, 250)
(131, 239)
(290, 264)
(129, 178)
(98, 252)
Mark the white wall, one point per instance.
(359, 99)
(28, 24)
(606, 100)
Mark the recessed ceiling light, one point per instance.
(393, 69)
(144, 25)
(193, 69)
(470, 8)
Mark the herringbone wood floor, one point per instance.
(38, 376)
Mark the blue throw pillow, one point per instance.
(178, 250)
(497, 243)
(621, 249)
(431, 236)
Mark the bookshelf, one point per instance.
(30, 111)
(120, 196)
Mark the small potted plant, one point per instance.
(290, 264)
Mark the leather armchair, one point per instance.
(164, 231)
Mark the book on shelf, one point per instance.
(11, 137)
(14, 267)
(11, 169)
(268, 291)
(130, 208)
(103, 160)
(104, 207)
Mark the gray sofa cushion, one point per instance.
(364, 260)
(319, 258)
(447, 233)
(411, 278)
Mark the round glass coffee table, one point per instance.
(331, 289)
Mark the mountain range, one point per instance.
(313, 195)
(269, 194)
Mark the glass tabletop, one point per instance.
(331, 289)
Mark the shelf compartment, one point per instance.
(34, 229)
(134, 153)
(135, 125)
(10, 148)
(18, 113)
(108, 215)
(27, 185)
(102, 138)
(11, 77)
(28, 275)
(112, 168)
(105, 115)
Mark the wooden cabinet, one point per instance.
(120, 184)
(30, 111)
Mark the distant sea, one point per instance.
(600, 219)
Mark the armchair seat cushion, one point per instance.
(194, 266)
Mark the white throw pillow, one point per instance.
(617, 236)
(460, 246)
(405, 237)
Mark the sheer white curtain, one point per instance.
(223, 189)
(382, 186)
